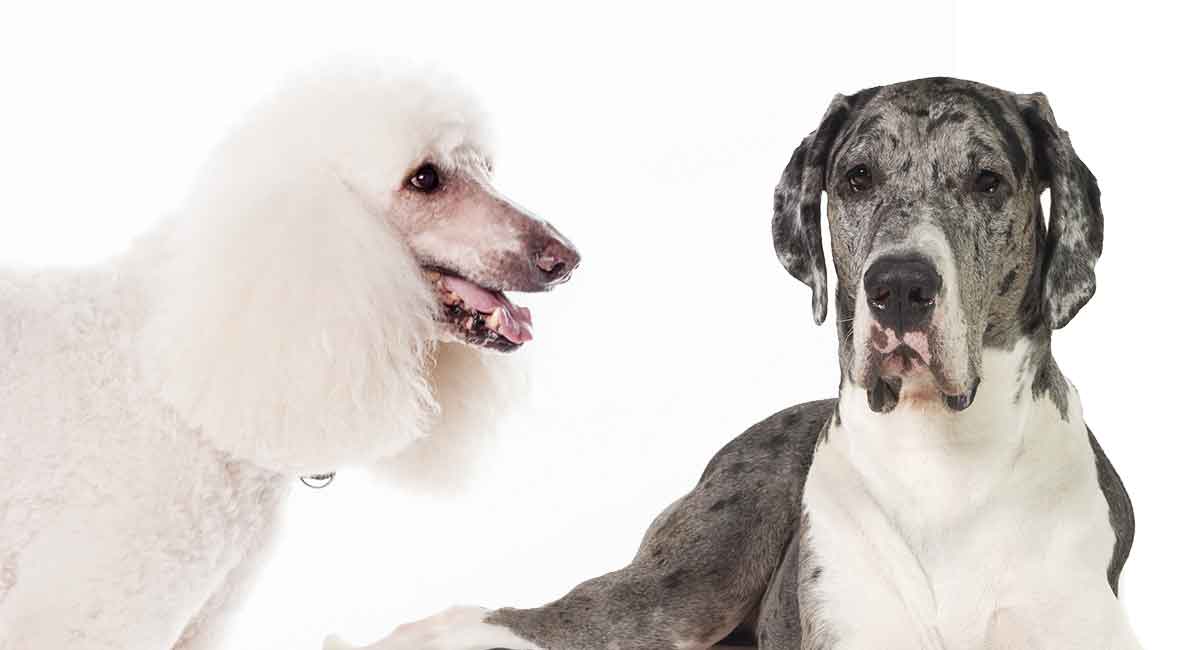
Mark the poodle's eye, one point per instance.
(425, 179)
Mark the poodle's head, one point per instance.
(346, 227)
(415, 154)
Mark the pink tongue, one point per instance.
(515, 323)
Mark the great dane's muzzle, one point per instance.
(908, 325)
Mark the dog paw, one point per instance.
(457, 628)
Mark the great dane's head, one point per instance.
(937, 232)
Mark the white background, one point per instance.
(653, 138)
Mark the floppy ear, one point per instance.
(796, 227)
(1075, 233)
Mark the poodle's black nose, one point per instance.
(556, 261)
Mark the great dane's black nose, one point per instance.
(902, 291)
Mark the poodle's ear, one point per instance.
(796, 227)
(1075, 233)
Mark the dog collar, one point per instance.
(318, 481)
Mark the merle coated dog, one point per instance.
(952, 496)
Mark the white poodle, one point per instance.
(321, 294)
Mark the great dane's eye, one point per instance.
(425, 179)
(859, 178)
(987, 182)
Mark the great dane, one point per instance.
(952, 496)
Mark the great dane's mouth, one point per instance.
(478, 315)
(900, 355)
(906, 369)
(910, 363)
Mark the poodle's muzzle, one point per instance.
(476, 244)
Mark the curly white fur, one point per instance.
(156, 408)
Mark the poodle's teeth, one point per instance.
(493, 320)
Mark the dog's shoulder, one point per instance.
(779, 442)
(1120, 510)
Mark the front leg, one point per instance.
(106, 594)
(697, 576)
(209, 627)
(702, 568)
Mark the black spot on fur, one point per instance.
(868, 123)
(828, 130)
(787, 422)
(774, 443)
(862, 97)
(1007, 282)
(741, 637)
(865, 125)
(997, 114)
(947, 117)
(1042, 132)
(1120, 512)
(977, 145)
(810, 210)
(1049, 382)
(1030, 310)
(1095, 235)
(720, 504)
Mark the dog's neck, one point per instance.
(1021, 397)
(301, 358)
(930, 471)
(1014, 381)
(474, 390)
(310, 378)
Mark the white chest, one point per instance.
(934, 533)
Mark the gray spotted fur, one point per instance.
(732, 553)
(1120, 512)
(789, 617)
(706, 561)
